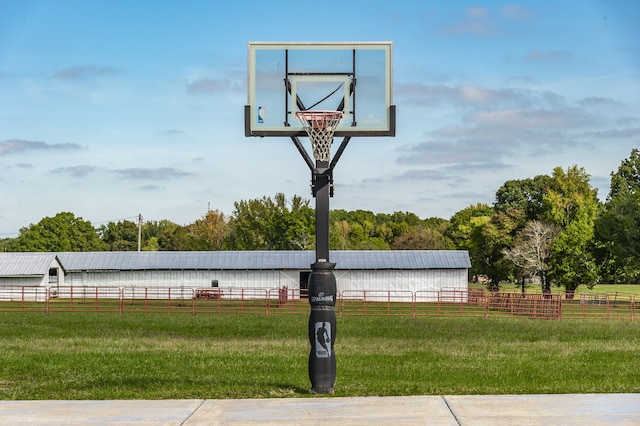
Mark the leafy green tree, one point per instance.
(618, 227)
(172, 237)
(437, 223)
(209, 232)
(525, 195)
(463, 223)
(249, 222)
(5, 243)
(272, 224)
(359, 230)
(121, 236)
(63, 232)
(418, 234)
(572, 204)
(464, 230)
(422, 238)
(363, 224)
(293, 226)
(491, 239)
(339, 233)
(151, 232)
(399, 223)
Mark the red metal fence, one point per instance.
(444, 303)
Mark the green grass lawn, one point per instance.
(161, 356)
(535, 288)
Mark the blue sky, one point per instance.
(113, 108)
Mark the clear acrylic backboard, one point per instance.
(352, 77)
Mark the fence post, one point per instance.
(414, 298)
(559, 308)
(293, 300)
(268, 307)
(487, 302)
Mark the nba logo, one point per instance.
(261, 114)
(323, 339)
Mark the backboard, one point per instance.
(352, 77)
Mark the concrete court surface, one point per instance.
(490, 410)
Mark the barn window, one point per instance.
(53, 275)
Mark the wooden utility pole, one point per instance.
(139, 230)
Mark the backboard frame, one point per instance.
(292, 78)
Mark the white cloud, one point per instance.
(150, 188)
(84, 72)
(517, 12)
(13, 146)
(161, 173)
(633, 132)
(76, 171)
(548, 56)
(226, 82)
(523, 119)
(481, 21)
(475, 21)
(469, 95)
(172, 133)
(599, 101)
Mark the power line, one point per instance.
(115, 220)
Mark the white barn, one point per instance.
(29, 276)
(382, 274)
(30, 270)
(370, 270)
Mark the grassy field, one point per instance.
(161, 356)
(600, 288)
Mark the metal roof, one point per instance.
(25, 264)
(263, 260)
(29, 264)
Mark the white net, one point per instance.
(320, 126)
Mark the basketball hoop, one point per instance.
(320, 126)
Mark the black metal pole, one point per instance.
(323, 186)
(322, 292)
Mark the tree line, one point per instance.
(549, 228)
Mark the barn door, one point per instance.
(304, 284)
